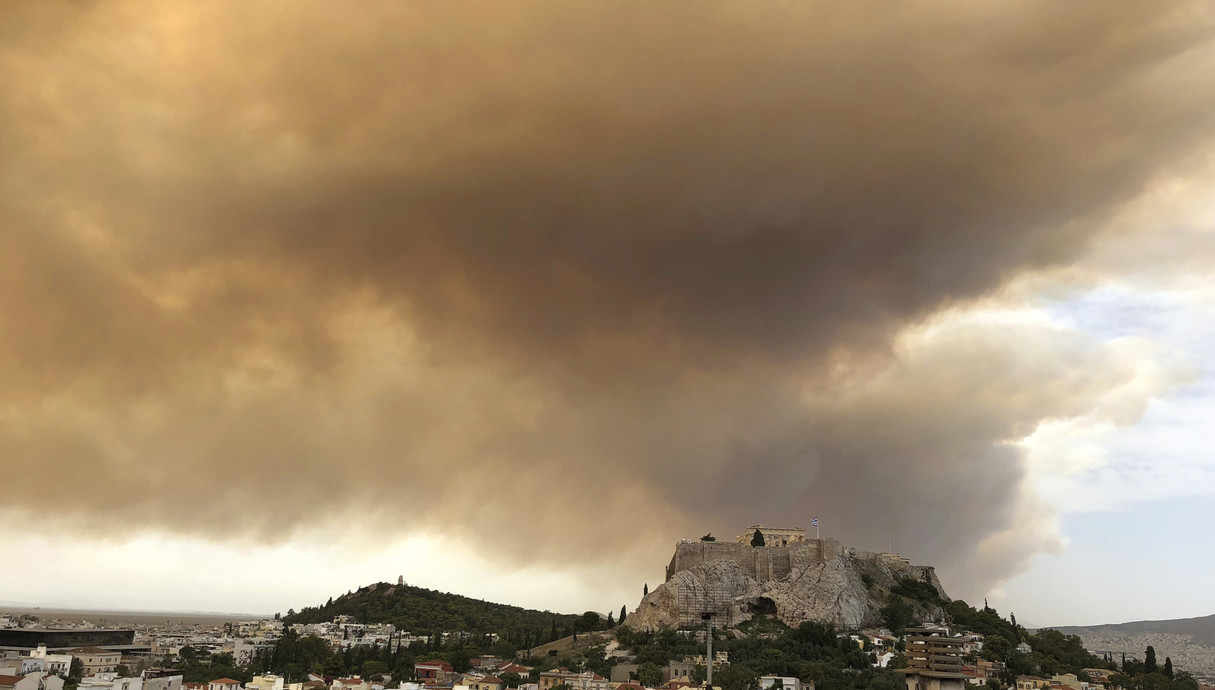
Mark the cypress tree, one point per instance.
(622, 614)
(611, 621)
(645, 589)
(1149, 660)
(1168, 667)
(758, 539)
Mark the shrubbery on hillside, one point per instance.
(427, 611)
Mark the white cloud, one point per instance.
(159, 572)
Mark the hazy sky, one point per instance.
(508, 298)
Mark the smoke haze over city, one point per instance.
(557, 284)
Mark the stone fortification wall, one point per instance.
(763, 564)
(895, 566)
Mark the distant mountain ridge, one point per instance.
(1201, 630)
(1189, 642)
(427, 611)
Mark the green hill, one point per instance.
(427, 611)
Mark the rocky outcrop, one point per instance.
(847, 588)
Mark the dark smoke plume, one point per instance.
(544, 264)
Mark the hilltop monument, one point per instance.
(789, 576)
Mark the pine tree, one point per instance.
(758, 539)
(1149, 660)
(611, 621)
(1168, 667)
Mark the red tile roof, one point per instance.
(490, 679)
(508, 667)
(10, 680)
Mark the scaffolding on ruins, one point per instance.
(707, 605)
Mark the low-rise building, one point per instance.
(39, 680)
(112, 681)
(485, 683)
(353, 683)
(1068, 680)
(224, 684)
(96, 660)
(1099, 675)
(55, 663)
(586, 680)
(245, 651)
(676, 670)
(1031, 683)
(161, 679)
(435, 669)
(784, 682)
(623, 673)
(21, 665)
(266, 682)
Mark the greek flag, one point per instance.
(814, 522)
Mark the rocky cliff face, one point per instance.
(847, 589)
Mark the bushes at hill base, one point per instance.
(811, 652)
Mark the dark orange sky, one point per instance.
(532, 265)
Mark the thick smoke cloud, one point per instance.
(516, 270)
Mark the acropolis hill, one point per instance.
(792, 577)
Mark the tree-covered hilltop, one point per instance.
(427, 611)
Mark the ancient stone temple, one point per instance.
(774, 536)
